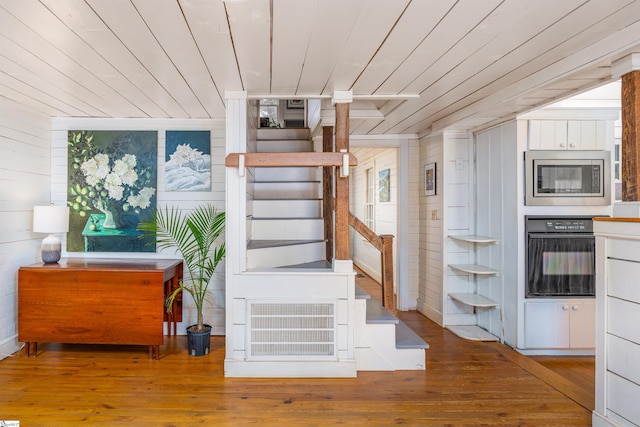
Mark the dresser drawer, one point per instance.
(623, 358)
(623, 280)
(623, 397)
(623, 249)
(621, 315)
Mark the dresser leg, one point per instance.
(30, 347)
(154, 352)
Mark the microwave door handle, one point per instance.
(560, 236)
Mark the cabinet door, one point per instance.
(583, 325)
(587, 135)
(547, 134)
(546, 325)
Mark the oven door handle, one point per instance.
(560, 236)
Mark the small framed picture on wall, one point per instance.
(430, 179)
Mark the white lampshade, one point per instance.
(50, 219)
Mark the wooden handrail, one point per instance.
(288, 159)
(384, 244)
(365, 231)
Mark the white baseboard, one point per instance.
(10, 346)
(431, 314)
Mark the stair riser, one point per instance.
(287, 229)
(294, 146)
(285, 255)
(287, 208)
(293, 190)
(286, 174)
(278, 134)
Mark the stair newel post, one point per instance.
(388, 295)
(327, 192)
(342, 251)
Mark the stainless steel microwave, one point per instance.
(569, 177)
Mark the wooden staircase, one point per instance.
(286, 232)
(286, 226)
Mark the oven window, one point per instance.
(561, 266)
(567, 263)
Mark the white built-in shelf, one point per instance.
(474, 238)
(474, 300)
(475, 269)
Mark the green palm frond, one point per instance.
(194, 235)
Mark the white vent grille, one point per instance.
(292, 331)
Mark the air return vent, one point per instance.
(292, 331)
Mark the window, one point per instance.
(269, 112)
(369, 205)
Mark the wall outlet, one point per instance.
(434, 214)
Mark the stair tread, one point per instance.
(406, 338)
(361, 293)
(312, 181)
(286, 218)
(376, 313)
(315, 264)
(259, 244)
(286, 200)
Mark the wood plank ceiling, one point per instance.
(424, 64)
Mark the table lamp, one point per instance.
(51, 219)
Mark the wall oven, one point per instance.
(560, 256)
(570, 177)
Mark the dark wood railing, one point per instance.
(384, 244)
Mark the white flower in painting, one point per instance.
(184, 154)
(96, 168)
(116, 180)
(188, 169)
(113, 184)
(124, 169)
(143, 199)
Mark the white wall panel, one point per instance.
(25, 164)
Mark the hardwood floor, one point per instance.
(465, 383)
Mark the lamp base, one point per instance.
(51, 249)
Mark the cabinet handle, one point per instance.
(572, 145)
(574, 307)
(562, 145)
(565, 307)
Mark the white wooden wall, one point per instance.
(430, 276)
(403, 202)
(496, 216)
(386, 213)
(449, 211)
(185, 200)
(25, 181)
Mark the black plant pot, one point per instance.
(198, 341)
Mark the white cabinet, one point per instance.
(570, 134)
(618, 311)
(566, 324)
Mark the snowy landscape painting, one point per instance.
(188, 161)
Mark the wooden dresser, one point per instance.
(96, 301)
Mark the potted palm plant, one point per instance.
(195, 235)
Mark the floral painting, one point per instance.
(188, 161)
(111, 188)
